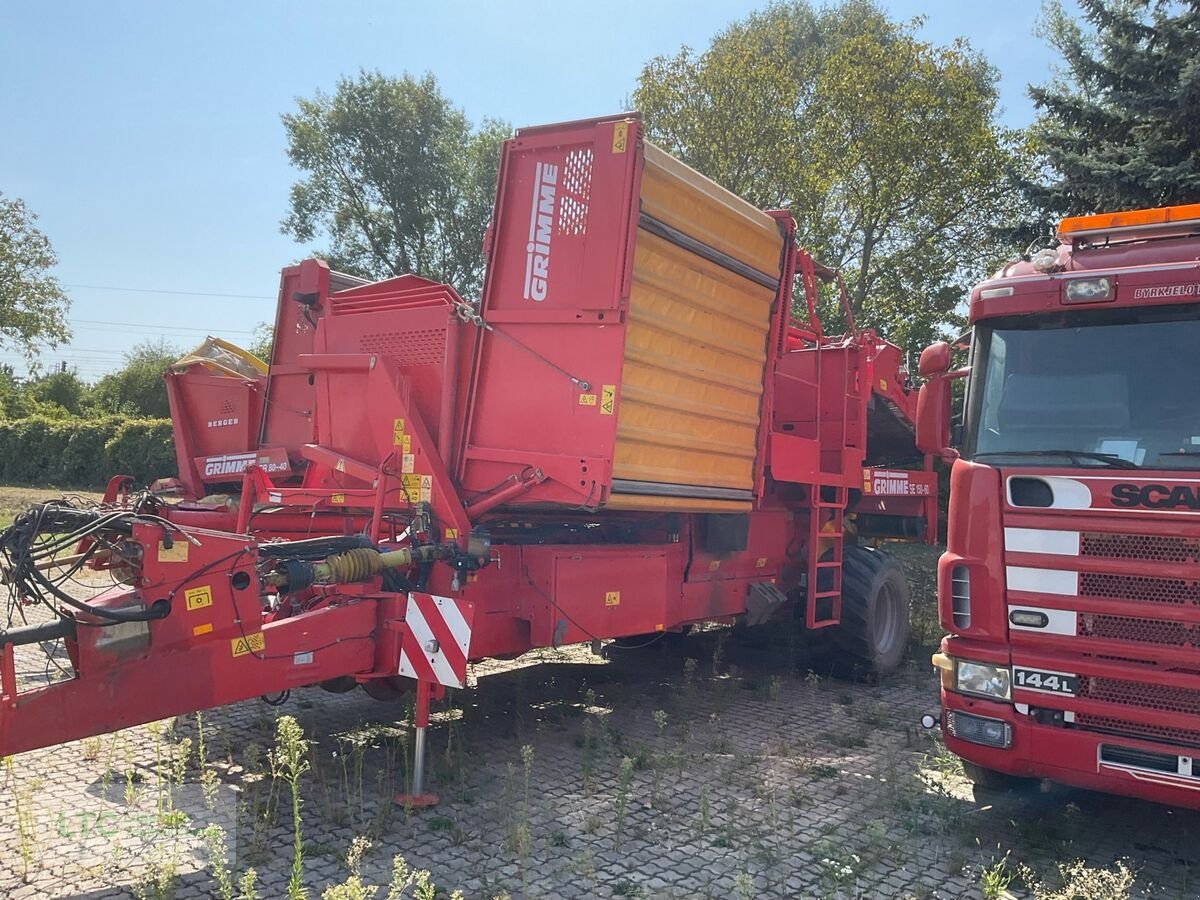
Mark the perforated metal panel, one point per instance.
(1149, 547)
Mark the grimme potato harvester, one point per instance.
(636, 428)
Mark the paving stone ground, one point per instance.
(710, 767)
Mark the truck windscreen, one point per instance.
(1118, 388)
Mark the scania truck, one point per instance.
(1070, 586)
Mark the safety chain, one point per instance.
(470, 315)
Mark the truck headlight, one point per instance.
(983, 679)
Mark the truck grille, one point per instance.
(1149, 547)
(1176, 591)
(1184, 737)
(1140, 695)
(1140, 631)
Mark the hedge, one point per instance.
(85, 453)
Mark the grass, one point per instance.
(17, 499)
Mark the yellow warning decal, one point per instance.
(608, 399)
(397, 432)
(714, 565)
(883, 384)
(198, 597)
(206, 628)
(251, 643)
(612, 598)
(867, 482)
(760, 563)
(452, 534)
(337, 498)
(177, 552)
(620, 137)
(407, 443)
(587, 399)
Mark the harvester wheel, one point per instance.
(873, 635)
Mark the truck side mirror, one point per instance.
(935, 360)
(933, 402)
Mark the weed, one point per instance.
(218, 860)
(353, 888)
(91, 749)
(705, 813)
(558, 839)
(995, 879)
(26, 817)
(248, 885)
(774, 687)
(405, 878)
(208, 777)
(660, 721)
(744, 886)
(623, 797)
(627, 888)
(1080, 880)
(288, 763)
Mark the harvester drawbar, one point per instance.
(634, 429)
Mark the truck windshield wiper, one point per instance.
(1109, 459)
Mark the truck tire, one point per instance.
(872, 638)
(993, 782)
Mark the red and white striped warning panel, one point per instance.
(437, 639)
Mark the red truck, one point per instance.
(1070, 586)
(637, 427)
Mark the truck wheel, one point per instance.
(991, 781)
(873, 636)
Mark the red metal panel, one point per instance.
(562, 229)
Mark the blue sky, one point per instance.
(146, 135)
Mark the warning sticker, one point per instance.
(177, 552)
(206, 628)
(198, 597)
(760, 563)
(713, 565)
(407, 462)
(608, 399)
(251, 643)
(620, 137)
(397, 432)
(337, 498)
(417, 488)
(587, 399)
(612, 598)
(406, 446)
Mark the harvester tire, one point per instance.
(872, 638)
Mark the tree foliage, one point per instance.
(137, 389)
(1118, 127)
(33, 307)
(884, 147)
(396, 179)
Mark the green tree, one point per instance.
(884, 147)
(137, 389)
(396, 180)
(1118, 127)
(33, 307)
(262, 341)
(63, 389)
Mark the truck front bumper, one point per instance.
(1114, 764)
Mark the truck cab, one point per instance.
(1070, 586)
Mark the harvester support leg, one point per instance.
(417, 796)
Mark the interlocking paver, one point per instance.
(761, 783)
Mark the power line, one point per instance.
(133, 290)
(149, 325)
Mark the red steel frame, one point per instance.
(1061, 737)
(383, 450)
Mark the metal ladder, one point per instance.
(825, 533)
